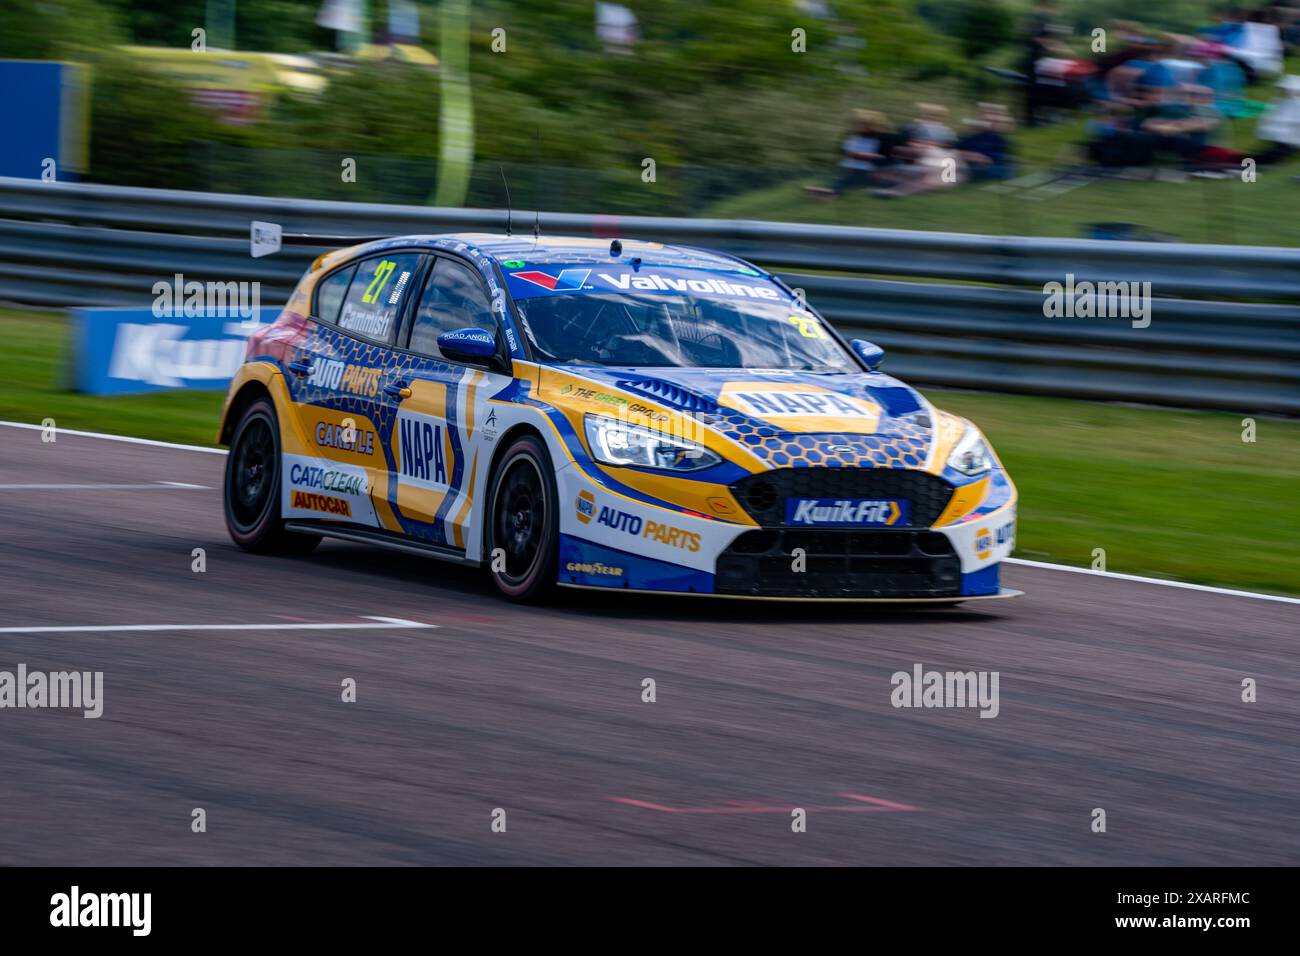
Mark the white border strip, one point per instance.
(1029, 564)
(1166, 583)
(380, 623)
(125, 438)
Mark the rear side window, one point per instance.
(453, 299)
(330, 292)
(374, 301)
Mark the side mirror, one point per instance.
(871, 355)
(473, 346)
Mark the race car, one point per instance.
(603, 414)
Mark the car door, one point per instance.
(337, 381)
(438, 442)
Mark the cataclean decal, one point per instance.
(341, 482)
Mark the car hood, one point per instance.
(791, 418)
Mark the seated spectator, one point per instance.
(1259, 45)
(1127, 42)
(1227, 29)
(1280, 126)
(1145, 71)
(864, 150)
(1224, 77)
(1188, 135)
(1179, 61)
(929, 126)
(1114, 142)
(987, 151)
(930, 162)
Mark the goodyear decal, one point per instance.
(592, 565)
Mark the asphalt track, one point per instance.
(1114, 694)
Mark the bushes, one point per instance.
(714, 94)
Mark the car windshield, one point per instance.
(661, 329)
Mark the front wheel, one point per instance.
(252, 488)
(523, 527)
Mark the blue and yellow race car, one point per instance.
(603, 414)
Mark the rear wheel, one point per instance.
(252, 488)
(523, 527)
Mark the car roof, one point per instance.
(575, 250)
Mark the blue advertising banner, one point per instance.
(45, 113)
(120, 351)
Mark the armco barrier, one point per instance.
(950, 309)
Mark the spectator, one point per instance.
(1222, 75)
(864, 150)
(1178, 122)
(1115, 142)
(928, 127)
(1043, 48)
(987, 151)
(1131, 83)
(1280, 126)
(1259, 45)
(931, 163)
(1128, 42)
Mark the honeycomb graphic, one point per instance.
(905, 445)
(327, 344)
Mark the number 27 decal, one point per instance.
(382, 272)
(808, 326)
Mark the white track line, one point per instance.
(152, 486)
(126, 438)
(1029, 564)
(1161, 581)
(380, 623)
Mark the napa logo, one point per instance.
(423, 454)
(987, 539)
(586, 505)
(569, 280)
(802, 408)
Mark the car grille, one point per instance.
(838, 563)
(763, 495)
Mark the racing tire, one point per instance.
(523, 520)
(252, 487)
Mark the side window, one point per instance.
(454, 298)
(330, 292)
(374, 301)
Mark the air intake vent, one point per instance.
(673, 395)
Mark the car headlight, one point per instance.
(972, 455)
(614, 442)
